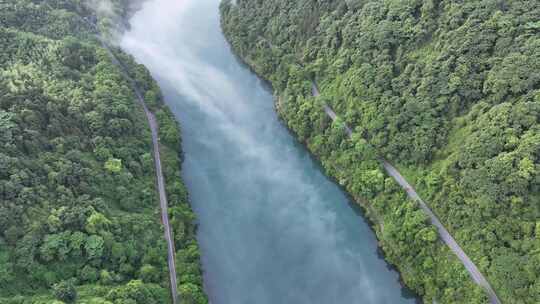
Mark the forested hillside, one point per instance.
(79, 213)
(449, 91)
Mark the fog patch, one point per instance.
(272, 228)
(111, 18)
(102, 7)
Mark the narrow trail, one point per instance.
(160, 181)
(445, 236)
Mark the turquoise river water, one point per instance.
(273, 229)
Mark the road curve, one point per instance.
(445, 236)
(160, 181)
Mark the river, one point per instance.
(273, 229)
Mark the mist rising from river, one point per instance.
(273, 228)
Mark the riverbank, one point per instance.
(413, 249)
(366, 209)
(272, 227)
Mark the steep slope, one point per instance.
(79, 213)
(446, 90)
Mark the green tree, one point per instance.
(113, 165)
(149, 274)
(65, 291)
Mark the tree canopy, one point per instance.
(449, 91)
(79, 213)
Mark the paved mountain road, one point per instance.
(445, 236)
(160, 181)
(152, 122)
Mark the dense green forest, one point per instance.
(79, 212)
(449, 91)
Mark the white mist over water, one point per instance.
(273, 228)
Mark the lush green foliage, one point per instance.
(65, 291)
(78, 204)
(449, 91)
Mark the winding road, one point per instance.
(154, 127)
(160, 181)
(445, 236)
